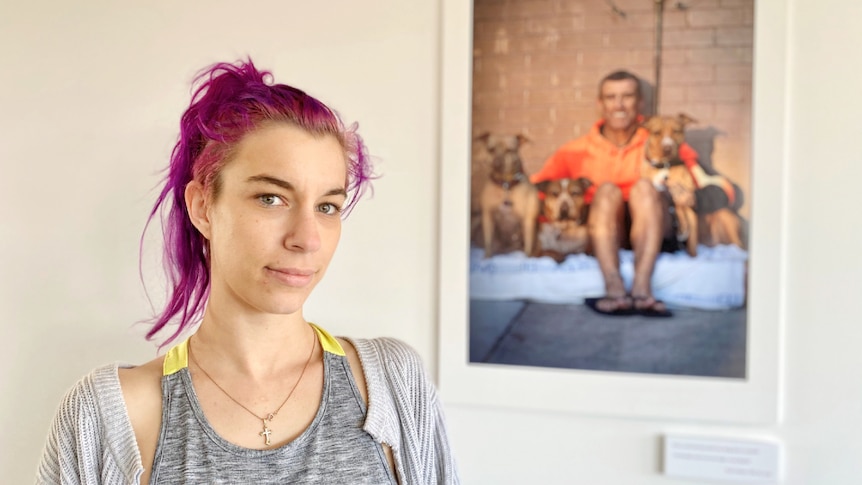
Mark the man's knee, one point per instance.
(649, 212)
(644, 199)
(643, 191)
(606, 211)
(607, 194)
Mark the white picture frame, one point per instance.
(752, 400)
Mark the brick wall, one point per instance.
(537, 63)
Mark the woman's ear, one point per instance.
(197, 204)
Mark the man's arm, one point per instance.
(556, 167)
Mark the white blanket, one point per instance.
(714, 280)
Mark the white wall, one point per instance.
(90, 94)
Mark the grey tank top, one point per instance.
(334, 449)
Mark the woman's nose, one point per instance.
(304, 234)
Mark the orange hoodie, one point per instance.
(593, 156)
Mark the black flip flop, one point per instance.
(650, 312)
(592, 304)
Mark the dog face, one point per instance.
(506, 164)
(666, 134)
(564, 199)
(508, 202)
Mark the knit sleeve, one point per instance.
(404, 405)
(446, 469)
(68, 456)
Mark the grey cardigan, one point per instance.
(92, 442)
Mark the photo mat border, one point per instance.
(754, 400)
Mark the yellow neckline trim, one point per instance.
(178, 357)
(328, 342)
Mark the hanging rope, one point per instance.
(616, 9)
(658, 9)
(659, 29)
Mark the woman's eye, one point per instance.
(329, 208)
(270, 200)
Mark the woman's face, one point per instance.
(275, 223)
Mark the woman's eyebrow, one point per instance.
(284, 184)
(336, 191)
(268, 179)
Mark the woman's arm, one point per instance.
(142, 393)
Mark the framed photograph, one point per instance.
(514, 327)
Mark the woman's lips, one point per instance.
(294, 277)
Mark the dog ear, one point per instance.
(685, 119)
(543, 185)
(522, 138)
(483, 137)
(584, 183)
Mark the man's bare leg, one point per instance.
(649, 222)
(605, 225)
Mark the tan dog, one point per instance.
(563, 222)
(662, 165)
(668, 173)
(509, 203)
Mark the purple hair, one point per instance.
(230, 101)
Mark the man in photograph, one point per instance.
(625, 210)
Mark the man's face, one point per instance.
(619, 104)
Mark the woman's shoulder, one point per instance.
(88, 420)
(394, 372)
(103, 394)
(97, 403)
(140, 381)
(387, 354)
(95, 392)
(89, 396)
(141, 385)
(142, 393)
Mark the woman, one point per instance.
(255, 193)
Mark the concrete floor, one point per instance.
(692, 342)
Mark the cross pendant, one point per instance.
(266, 431)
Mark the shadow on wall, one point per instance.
(703, 142)
(648, 93)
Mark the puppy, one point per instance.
(562, 224)
(662, 165)
(509, 203)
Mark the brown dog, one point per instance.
(509, 203)
(668, 173)
(563, 221)
(662, 165)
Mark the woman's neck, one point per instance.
(255, 345)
